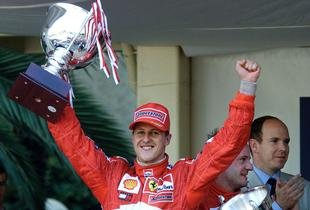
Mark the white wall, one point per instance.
(285, 78)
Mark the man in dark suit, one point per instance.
(269, 143)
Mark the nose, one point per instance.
(249, 166)
(146, 138)
(283, 146)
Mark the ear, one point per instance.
(168, 138)
(253, 145)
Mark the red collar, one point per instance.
(155, 170)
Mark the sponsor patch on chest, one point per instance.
(161, 197)
(153, 185)
(148, 172)
(129, 184)
(125, 196)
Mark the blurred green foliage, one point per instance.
(36, 168)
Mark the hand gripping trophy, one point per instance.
(71, 37)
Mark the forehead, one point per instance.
(274, 128)
(245, 151)
(144, 126)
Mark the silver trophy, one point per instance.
(70, 39)
(66, 40)
(252, 199)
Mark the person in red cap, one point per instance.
(153, 183)
(150, 120)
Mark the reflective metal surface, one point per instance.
(67, 38)
(253, 199)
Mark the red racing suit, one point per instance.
(211, 199)
(118, 185)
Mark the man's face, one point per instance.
(272, 152)
(235, 175)
(2, 186)
(149, 143)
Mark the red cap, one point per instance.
(153, 114)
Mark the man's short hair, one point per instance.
(257, 124)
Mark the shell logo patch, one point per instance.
(129, 184)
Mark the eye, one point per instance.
(287, 141)
(154, 133)
(139, 133)
(274, 140)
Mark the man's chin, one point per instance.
(277, 168)
(145, 160)
(244, 182)
(280, 164)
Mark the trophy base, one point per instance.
(41, 92)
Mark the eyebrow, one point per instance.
(245, 156)
(277, 138)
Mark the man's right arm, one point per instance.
(87, 159)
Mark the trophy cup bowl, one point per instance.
(253, 199)
(66, 28)
(68, 43)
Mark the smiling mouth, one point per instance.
(244, 175)
(146, 147)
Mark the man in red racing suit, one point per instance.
(229, 183)
(152, 183)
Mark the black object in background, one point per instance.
(305, 136)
